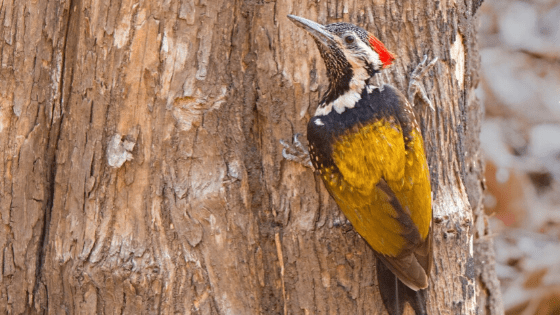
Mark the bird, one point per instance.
(366, 145)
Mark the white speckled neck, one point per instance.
(351, 97)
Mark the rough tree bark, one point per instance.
(141, 170)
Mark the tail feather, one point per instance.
(396, 294)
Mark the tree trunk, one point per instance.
(142, 172)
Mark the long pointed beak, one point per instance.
(316, 30)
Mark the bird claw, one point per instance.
(296, 152)
(415, 85)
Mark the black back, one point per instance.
(385, 102)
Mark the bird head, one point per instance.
(350, 53)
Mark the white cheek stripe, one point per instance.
(372, 57)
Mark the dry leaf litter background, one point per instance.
(520, 89)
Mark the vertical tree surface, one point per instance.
(141, 170)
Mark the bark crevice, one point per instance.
(51, 154)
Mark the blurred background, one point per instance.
(520, 89)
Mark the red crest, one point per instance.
(385, 56)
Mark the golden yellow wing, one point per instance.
(383, 188)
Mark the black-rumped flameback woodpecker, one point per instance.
(366, 144)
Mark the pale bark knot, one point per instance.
(457, 51)
(118, 152)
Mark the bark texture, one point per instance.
(141, 170)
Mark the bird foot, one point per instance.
(415, 86)
(296, 152)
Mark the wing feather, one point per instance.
(382, 186)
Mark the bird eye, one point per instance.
(349, 39)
